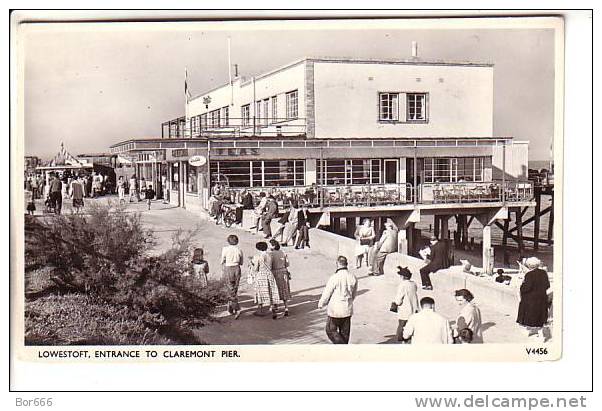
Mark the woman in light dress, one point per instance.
(365, 236)
(281, 274)
(290, 228)
(266, 289)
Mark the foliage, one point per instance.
(105, 257)
(76, 319)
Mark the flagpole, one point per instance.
(230, 73)
(185, 102)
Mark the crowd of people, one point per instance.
(418, 320)
(294, 223)
(268, 272)
(138, 190)
(64, 186)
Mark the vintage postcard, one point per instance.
(287, 190)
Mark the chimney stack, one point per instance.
(414, 49)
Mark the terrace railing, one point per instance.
(475, 192)
(395, 194)
(234, 127)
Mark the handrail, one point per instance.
(366, 195)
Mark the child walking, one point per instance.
(200, 267)
(31, 206)
(149, 194)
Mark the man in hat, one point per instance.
(385, 246)
(428, 326)
(406, 300)
(436, 262)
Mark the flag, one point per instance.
(186, 92)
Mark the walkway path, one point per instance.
(372, 322)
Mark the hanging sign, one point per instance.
(197, 161)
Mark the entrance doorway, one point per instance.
(391, 168)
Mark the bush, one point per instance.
(105, 257)
(77, 319)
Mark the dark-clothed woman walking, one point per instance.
(533, 306)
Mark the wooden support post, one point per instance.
(444, 227)
(410, 238)
(377, 226)
(351, 225)
(519, 226)
(437, 226)
(336, 226)
(537, 218)
(487, 250)
(465, 231)
(505, 255)
(551, 222)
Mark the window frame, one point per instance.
(245, 115)
(380, 106)
(274, 103)
(289, 99)
(425, 106)
(405, 114)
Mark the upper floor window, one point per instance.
(274, 109)
(266, 105)
(258, 111)
(215, 118)
(195, 123)
(292, 105)
(389, 107)
(226, 116)
(245, 114)
(204, 121)
(416, 104)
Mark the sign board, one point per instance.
(197, 161)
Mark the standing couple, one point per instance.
(375, 252)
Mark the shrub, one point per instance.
(105, 257)
(76, 319)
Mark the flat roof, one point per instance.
(416, 61)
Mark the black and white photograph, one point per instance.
(371, 183)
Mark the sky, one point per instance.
(91, 87)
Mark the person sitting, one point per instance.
(502, 278)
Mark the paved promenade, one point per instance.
(372, 322)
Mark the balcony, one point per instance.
(197, 127)
(370, 195)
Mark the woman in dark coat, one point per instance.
(533, 306)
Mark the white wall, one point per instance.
(517, 160)
(346, 99)
(277, 83)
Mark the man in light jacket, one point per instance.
(427, 326)
(339, 293)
